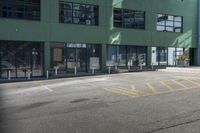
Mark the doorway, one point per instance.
(76, 57)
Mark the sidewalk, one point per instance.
(79, 74)
(182, 69)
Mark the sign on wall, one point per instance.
(57, 54)
(94, 62)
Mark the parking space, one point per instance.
(150, 87)
(144, 102)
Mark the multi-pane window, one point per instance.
(124, 55)
(76, 13)
(169, 23)
(129, 18)
(20, 9)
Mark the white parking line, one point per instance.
(47, 88)
(55, 85)
(75, 82)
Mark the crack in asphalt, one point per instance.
(175, 125)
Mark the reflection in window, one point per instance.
(121, 55)
(20, 9)
(162, 55)
(171, 56)
(124, 55)
(58, 55)
(21, 57)
(169, 23)
(94, 50)
(129, 18)
(78, 13)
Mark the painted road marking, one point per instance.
(120, 92)
(193, 82)
(129, 90)
(131, 93)
(47, 88)
(75, 82)
(136, 90)
(152, 88)
(125, 90)
(182, 85)
(167, 86)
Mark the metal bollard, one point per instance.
(93, 71)
(140, 66)
(9, 75)
(29, 75)
(75, 70)
(109, 70)
(56, 71)
(47, 74)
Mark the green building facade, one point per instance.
(40, 35)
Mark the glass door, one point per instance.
(71, 59)
(76, 57)
(81, 59)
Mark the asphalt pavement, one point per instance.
(143, 102)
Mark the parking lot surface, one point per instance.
(144, 102)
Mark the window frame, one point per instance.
(168, 26)
(134, 12)
(13, 13)
(72, 10)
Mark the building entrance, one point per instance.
(76, 56)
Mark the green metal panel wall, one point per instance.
(49, 28)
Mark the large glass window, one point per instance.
(129, 18)
(166, 56)
(124, 55)
(78, 13)
(58, 56)
(162, 55)
(171, 56)
(94, 51)
(142, 55)
(65, 56)
(20, 9)
(21, 57)
(169, 23)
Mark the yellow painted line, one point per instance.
(167, 86)
(191, 77)
(119, 92)
(153, 89)
(126, 91)
(193, 82)
(140, 92)
(182, 85)
(153, 94)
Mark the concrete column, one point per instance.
(46, 57)
(103, 58)
(149, 53)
